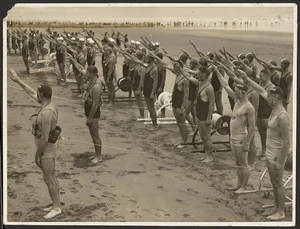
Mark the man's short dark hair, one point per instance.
(46, 90)
(92, 69)
(266, 72)
(277, 91)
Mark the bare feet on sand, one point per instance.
(276, 216)
(207, 160)
(269, 212)
(240, 190)
(48, 209)
(54, 212)
(233, 188)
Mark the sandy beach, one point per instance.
(143, 178)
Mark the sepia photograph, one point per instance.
(150, 114)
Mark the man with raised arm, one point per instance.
(253, 98)
(137, 80)
(277, 147)
(150, 87)
(92, 102)
(204, 107)
(25, 53)
(44, 131)
(286, 81)
(61, 60)
(162, 72)
(243, 115)
(180, 97)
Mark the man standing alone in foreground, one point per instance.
(44, 130)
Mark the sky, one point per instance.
(134, 12)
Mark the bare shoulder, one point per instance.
(290, 76)
(283, 117)
(49, 113)
(250, 108)
(209, 88)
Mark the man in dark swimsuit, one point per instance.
(92, 103)
(25, 53)
(150, 87)
(192, 98)
(217, 86)
(138, 83)
(204, 107)
(264, 110)
(91, 52)
(60, 58)
(110, 77)
(162, 71)
(286, 81)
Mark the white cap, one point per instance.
(73, 39)
(138, 43)
(60, 38)
(132, 42)
(156, 43)
(110, 39)
(90, 41)
(81, 39)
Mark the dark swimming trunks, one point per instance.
(148, 83)
(177, 96)
(202, 107)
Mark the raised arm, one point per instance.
(223, 82)
(231, 74)
(254, 85)
(246, 68)
(188, 55)
(188, 76)
(77, 65)
(196, 49)
(30, 91)
(158, 59)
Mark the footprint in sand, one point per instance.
(76, 184)
(161, 212)
(74, 190)
(135, 214)
(179, 201)
(193, 191)
(186, 215)
(178, 177)
(11, 194)
(109, 195)
(160, 187)
(212, 204)
(158, 175)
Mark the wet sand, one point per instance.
(142, 178)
